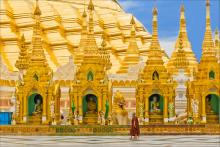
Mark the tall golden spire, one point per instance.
(155, 64)
(37, 49)
(132, 53)
(182, 30)
(182, 57)
(208, 41)
(133, 47)
(23, 59)
(155, 52)
(91, 49)
(155, 45)
(83, 41)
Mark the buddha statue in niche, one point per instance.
(155, 105)
(37, 108)
(91, 106)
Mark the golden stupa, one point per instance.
(61, 25)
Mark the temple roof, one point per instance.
(61, 24)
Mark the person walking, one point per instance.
(135, 131)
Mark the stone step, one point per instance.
(212, 119)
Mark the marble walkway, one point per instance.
(108, 141)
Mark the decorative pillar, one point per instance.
(146, 109)
(104, 101)
(80, 107)
(44, 109)
(25, 99)
(203, 110)
(165, 112)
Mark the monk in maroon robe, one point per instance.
(135, 131)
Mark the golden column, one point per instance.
(146, 98)
(80, 107)
(203, 110)
(25, 108)
(165, 114)
(44, 117)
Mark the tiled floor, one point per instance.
(108, 141)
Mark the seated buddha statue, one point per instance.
(208, 106)
(37, 108)
(91, 116)
(91, 107)
(154, 105)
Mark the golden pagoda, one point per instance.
(35, 90)
(183, 56)
(205, 89)
(132, 53)
(89, 93)
(154, 88)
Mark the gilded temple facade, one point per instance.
(96, 64)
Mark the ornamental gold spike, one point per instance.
(208, 41)
(183, 31)
(37, 10)
(90, 6)
(155, 42)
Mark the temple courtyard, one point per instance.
(100, 141)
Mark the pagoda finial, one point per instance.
(182, 31)
(155, 42)
(182, 19)
(37, 10)
(132, 20)
(84, 11)
(133, 47)
(208, 41)
(90, 6)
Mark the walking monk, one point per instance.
(135, 131)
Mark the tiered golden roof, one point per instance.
(132, 53)
(38, 68)
(208, 60)
(183, 52)
(61, 28)
(94, 59)
(155, 62)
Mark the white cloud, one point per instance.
(168, 44)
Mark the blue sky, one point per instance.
(168, 15)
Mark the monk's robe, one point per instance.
(134, 127)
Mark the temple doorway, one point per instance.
(90, 109)
(212, 103)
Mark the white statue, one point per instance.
(194, 105)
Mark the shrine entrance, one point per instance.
(90, 109)
(212, 103)
(156, 104)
